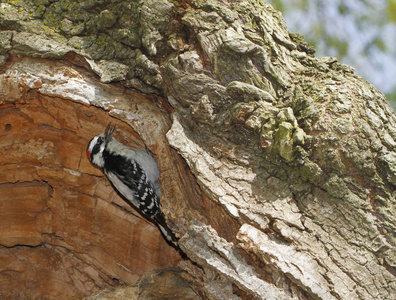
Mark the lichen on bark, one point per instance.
(293, 154)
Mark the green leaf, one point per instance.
(391, 10)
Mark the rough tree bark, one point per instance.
(278, 168)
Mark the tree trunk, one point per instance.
(278, 169)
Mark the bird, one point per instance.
(134, 173)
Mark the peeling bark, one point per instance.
(282, 185)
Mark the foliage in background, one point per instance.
(360, 33)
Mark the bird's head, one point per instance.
(97, 145)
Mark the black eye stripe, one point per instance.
(96, 146)
(95, 149)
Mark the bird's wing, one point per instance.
(131, 181)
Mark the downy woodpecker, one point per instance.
(134, 174)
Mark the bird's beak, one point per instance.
(111, 132)
(107, 130)
(108, 134)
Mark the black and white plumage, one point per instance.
(134, 174)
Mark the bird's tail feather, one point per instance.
(168, 234)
